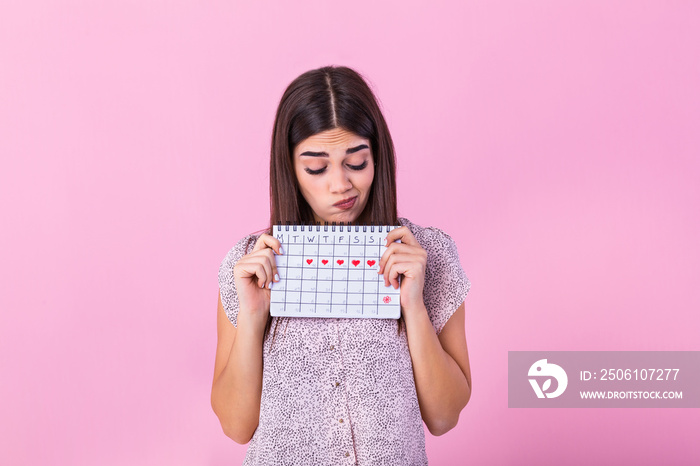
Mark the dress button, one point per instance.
(337, 384)
(347, 453)
(332, 347)
(341, 421)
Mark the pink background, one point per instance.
(556, 142)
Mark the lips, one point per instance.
(346, 203)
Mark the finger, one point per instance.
(270, 265)
(403, 267)
(268, 241)
(397, 269)
(402, 234)
(396, 248)
(388, 267)
(267, 262)
(273, 265)
(267, 256)
(408, 265)
(254, 262)
(254, 269)
(385, 257)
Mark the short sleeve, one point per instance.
(227, 286)
(446, 284)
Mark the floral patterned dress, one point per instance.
(341, 391)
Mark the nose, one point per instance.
(339, 181)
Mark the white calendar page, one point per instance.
(331, 271)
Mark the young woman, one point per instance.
(327, 391)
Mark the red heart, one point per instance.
(340, 261)
(355, 263)
(309, 261)
(324, 261)
(371, 263)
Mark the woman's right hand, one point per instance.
(253, 275)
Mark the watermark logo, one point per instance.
(546, 370)
(603, 379)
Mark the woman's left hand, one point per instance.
(406, 258)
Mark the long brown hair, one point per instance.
(319, 100)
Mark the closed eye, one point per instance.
(362, 166)
(315, 172)
(358, 167)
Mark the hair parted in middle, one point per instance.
(319, 100)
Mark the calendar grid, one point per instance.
(330, 305)
(374, 305)
(347, 288)
(367, 272)
(301, 277)
(318, 254)
(364, 272)
(286, 274)
(380, 253)
(331, 272)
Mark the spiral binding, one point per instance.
(341, 227)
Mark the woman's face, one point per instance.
(335, 169)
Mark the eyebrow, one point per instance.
(351, 150)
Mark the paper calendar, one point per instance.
(331, 271)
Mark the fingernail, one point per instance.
(269, 285)
(281, 250)
(277, 277)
